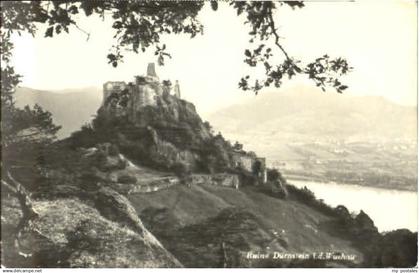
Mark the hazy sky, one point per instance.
(377, 37)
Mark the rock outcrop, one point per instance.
(160, 136)
(100, 230)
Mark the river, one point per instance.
(389, 209)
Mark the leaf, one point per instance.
(73, 10)
(88, 7)
(214, 5)
(49, 32)
(58, 29)
(117, 24)
(247, 53)
(294, 4)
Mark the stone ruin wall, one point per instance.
(112, 87)
(247, 162)
(144, 91)
(220, 179)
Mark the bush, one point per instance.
(122, 164)
(113, 150)
(127, 179)
(181, 169)
(273, 174)
(100, 159)
(307, 197)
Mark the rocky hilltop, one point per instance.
(148, 184)
(152, 125)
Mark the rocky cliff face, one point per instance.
(163, 136)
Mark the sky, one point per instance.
(378, 38)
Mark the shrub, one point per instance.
(307, 197)
(273, 174)
(113, 150)
(181, 169)
(122, 164)
(100, 159)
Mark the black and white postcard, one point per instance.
(209, 134)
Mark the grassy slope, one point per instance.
(299, 224)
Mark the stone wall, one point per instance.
(249, 162)
(153, 186)
(244, 161)
(220, 179)
(112, 87)
(145, 94)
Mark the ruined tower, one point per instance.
(145, 90)
(177, 91)
(151, 72)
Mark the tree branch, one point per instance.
(9, 187)
(274, 32)
(82, 30)
(28, 212)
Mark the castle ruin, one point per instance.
(147, 90)
(250, 162)
(143, 91)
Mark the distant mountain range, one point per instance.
(273, 119)
(71, 108)
(299, 115)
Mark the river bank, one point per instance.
(389, 209)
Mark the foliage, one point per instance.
(24, 131)
(37, 123)
(208, 127)
(273, 174)
(216, 154)
(238, 146)
(167, 83)
(307, 197)
(324, 71)
(181, 170)
(140, 25)
(113, 150)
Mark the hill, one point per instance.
(71, 108)
(148, 184)
(307, 114)
(328, 136)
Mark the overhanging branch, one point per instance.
(274, 32)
